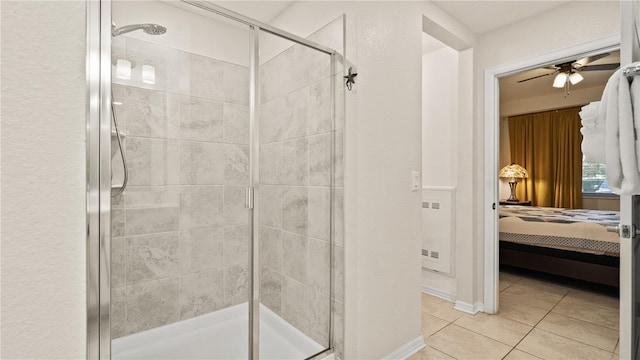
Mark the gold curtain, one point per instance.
(547, 144)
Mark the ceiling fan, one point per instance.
(569, 72)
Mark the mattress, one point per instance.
(567, 229)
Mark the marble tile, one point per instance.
(236, 164)
(235, 212)
(201, 293)
(513, 309)
(339, 159)
(271, 248)
(294, 167)
(272, 120)
(320, 160)
(550, 346)
(201, 206)
(496, 327)
(152, 196)
(429, 353)
(319, 315)
(201, 119)
(338, 216)
(319, 265)
(295, 304)
(340, 111)
(236, 285)
(431, 324)
(516, 354)
(200, 249)
(204, 76)
(235, 83)
(338, 264)
(338, 328)
(319, 213)
(582, 331)
(271, 289)
(270, 202)
(270, 159)
(146, 220)
(319, 108)
(440, 308)
(236, 123)
(528, 296)
(118, 262)
(294, 121)
(201, 163)
(589, 311)
(118, 310)
(295, 204)
(152, 257)
(147, 114)
(117, 222)
(295, 256)
(236, 245)
(153, 161)
(164, 59)
(152, 304)
(464, 344)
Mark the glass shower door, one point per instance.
(294, 192)
(180, 229)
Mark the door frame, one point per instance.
(491, 147)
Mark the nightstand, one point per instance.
(521, 203)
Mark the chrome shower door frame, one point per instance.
(98, 151)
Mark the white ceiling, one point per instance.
(510, 89)
(483, 16)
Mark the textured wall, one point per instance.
(179, 232)
(295, 168)
(43, 180)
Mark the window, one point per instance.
(594, 178)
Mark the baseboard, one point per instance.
(438, 293)
(468, 308)
(331, 356)
(406, 350)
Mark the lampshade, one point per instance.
(560, 80)
(513, 171)
(575, 78)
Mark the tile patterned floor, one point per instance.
(537, 320)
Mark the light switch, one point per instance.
(415, 180)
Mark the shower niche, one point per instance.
(226, 173)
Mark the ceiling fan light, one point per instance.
(560, 80)
(575, 78)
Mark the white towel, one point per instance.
(620, 146)
(593, 133)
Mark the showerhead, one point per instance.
(151, 29)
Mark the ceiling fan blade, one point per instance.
(539, 76)
(589, 59)
(599, 67)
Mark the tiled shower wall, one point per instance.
(179, 233)
(296, 135)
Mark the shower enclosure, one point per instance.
(214, 185)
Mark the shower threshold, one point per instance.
(221, 335)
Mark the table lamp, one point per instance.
(514, 173)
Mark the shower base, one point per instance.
(219, 335)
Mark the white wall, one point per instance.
(534, 36)
(43, 180)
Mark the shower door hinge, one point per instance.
(248, 202)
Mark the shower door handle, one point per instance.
(248, 200)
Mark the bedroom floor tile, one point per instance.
(507, 279)
(550, 346)
(464, 344)
(542, 286)
(440, 308)
(432, 324)
(514, 310)
(582, 331)
(496, 327)
(429, 353)
(528, 295)
(516, 354)
(617, 350)
(589, 311)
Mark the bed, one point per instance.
(568, 242)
